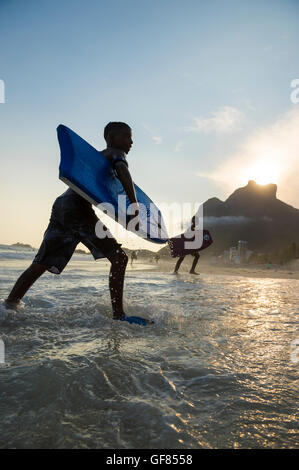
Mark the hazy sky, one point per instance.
(205, 86)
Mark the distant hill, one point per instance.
(81, 252)
(21, 245)
(251, 213)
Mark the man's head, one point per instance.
(118, 135)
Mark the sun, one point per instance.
(263, 172)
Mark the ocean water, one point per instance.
(218, 369)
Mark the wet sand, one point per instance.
(290, 271)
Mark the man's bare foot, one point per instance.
(117, 317)
(193, 272)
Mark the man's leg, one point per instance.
(119, 262)
(24, 282)
(178, 264)
(195, 261)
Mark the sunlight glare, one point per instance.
(263, 172)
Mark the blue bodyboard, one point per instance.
(88, 172)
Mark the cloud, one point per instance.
(157, 139)
(226, 220)
(223, 121)
(269, 155)
(178, 146)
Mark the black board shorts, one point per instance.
(72, 221)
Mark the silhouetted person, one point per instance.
(195, 253)
(133, 257)
(73, 220)
(157, 257)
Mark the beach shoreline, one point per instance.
(290, 271)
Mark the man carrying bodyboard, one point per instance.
(73, 220)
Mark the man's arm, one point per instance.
(128, 185)
(126, 180)
(122, 171)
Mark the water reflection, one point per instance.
(214, 371)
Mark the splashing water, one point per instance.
(213, 371)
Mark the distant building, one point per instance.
(237, 254)
(242, 250)
(225, 257)
(233, 255)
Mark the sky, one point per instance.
(206, 87)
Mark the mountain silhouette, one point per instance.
(251, 213)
